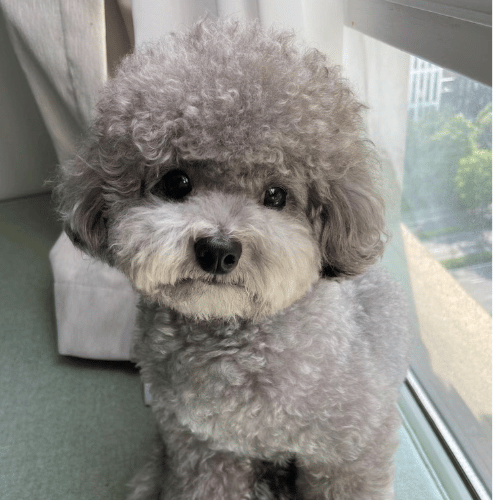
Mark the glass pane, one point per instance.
(446, 225)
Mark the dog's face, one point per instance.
(225, 174)
(210, 242)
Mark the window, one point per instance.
(446, 227)
(433, 128)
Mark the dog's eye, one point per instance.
(275, 197)
(174, 185)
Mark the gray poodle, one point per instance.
(227, 175)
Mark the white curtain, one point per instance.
(61, 48)
(319, 22)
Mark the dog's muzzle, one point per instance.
(217, 254)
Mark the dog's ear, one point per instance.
(351, 231)
(81, 203)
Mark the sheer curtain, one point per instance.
(319, 22)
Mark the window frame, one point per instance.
(461, 46)
(454, 470)
(474, 11)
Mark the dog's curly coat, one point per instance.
(227, 175)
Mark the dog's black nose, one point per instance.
(217, 254)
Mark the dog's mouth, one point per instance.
(214, 281)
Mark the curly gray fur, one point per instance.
(278, 380)
(237, 96)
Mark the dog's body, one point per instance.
(316, 382)
(227, 175)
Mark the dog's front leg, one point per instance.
(370, 476)
(188, 468)
(365, 472)
(147, 483)
(352, 481)
(195, 472)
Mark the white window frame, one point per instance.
(457, 35)
(431, 435)
(462, 46)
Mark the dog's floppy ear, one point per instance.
(352, 225)
(81, 202)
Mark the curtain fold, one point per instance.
(61, 48)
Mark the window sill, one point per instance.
(423, 468)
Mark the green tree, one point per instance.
(448, 161)
(435, 144)
(483, 134)
(473, 180)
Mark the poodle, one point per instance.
(228, 175)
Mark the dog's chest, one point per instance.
(240, 388)
(213, 371)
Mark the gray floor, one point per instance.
(72, 429)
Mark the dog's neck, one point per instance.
(224, 326)
(214, 324)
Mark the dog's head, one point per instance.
(225, 173)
